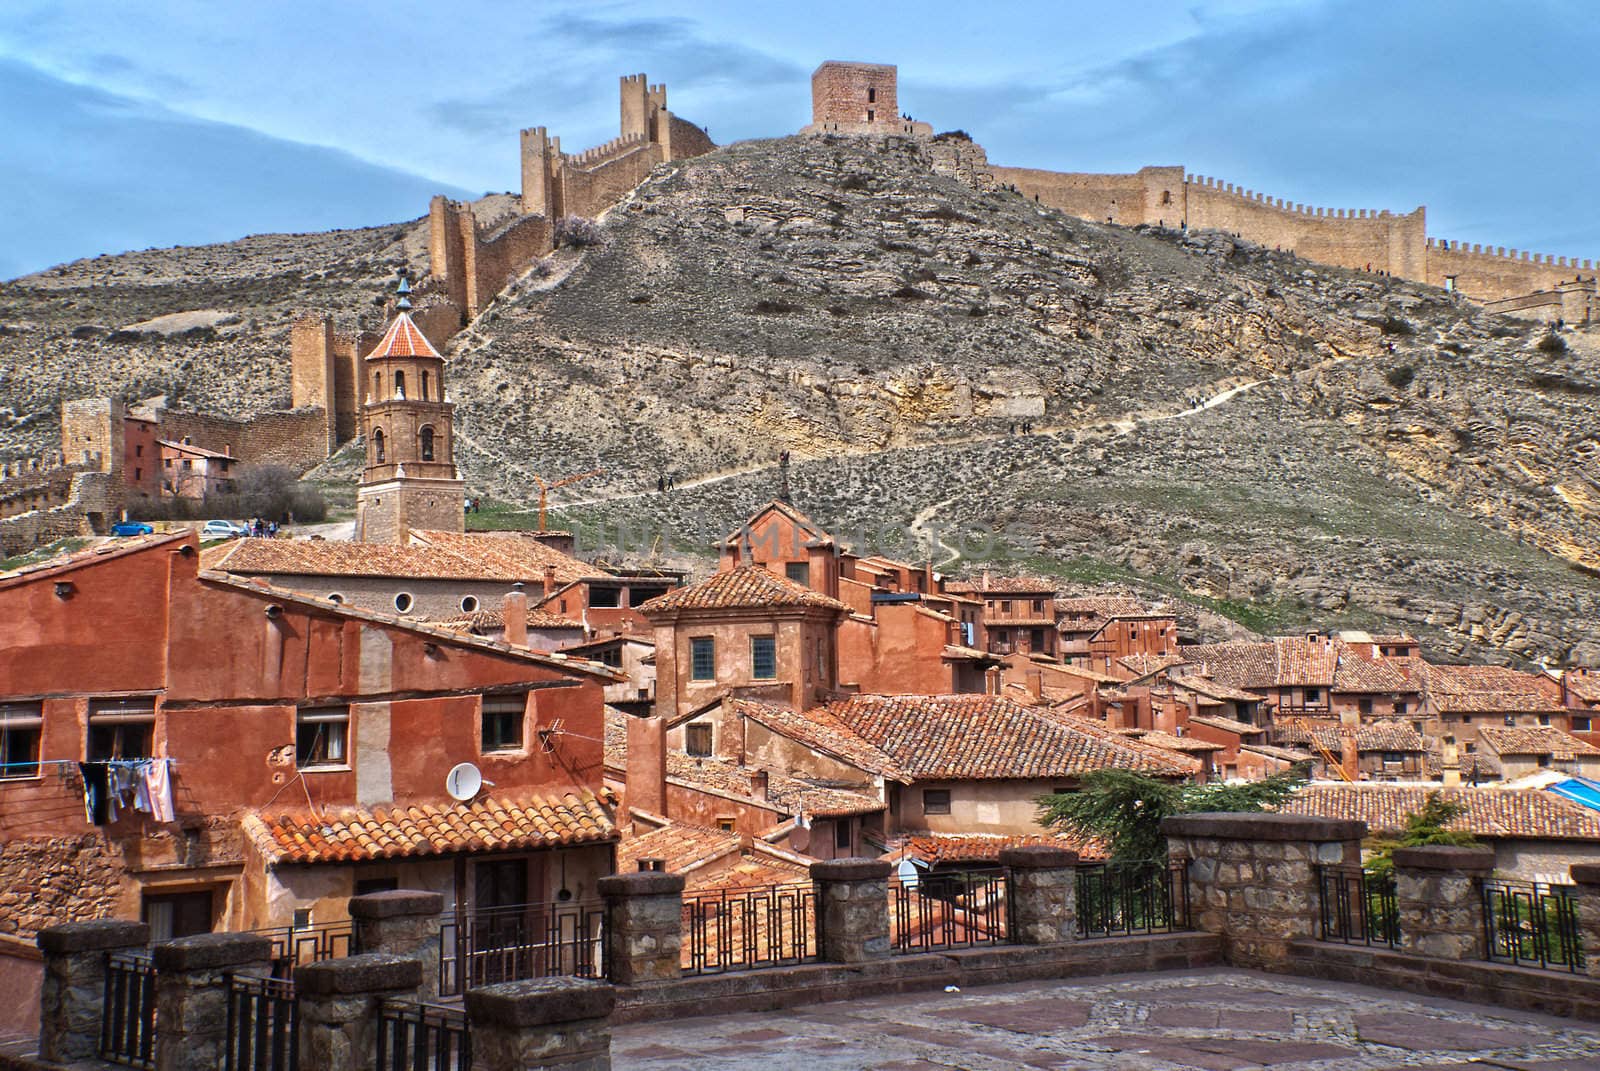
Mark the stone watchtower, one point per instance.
(858, 98)
(410, 477)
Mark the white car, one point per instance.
(223, 530)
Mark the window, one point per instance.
(697, 740)
(469, 604)
(1364, 705)
(20, 724)
(377, 446)
(424, 386)
(1544, 719)
(763, 657)
(841, 834)
(503, 716)
(368, 886)
(1005, 606)
(728, 825)
(936, 801)
(872, 96)
(1393, 758)
(319, 736)
(1400, 707)
(1580, 724)
(425, 442)
(1038, 606)
(799, 572)
(1313, 695)
(1036, 638)
(871, 115)
(138, 451)
(702, 659)
(400, 385)
(611, 656)
(377, 385)
(138, 474)
(174, 915)
(605, 598)
(122, 728)
(403, 602)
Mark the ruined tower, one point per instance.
(410, 478)
(859, 98)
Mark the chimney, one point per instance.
(549, 580)
(1451, 766)
(647, 765)
(1349, 756)
(1036, 684)
(759, 785)
(514, 608)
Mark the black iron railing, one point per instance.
(759, 926)
(1121, 899)
(294, 946)
(1356, 908)
(1532, 924)
(955, 909)
(128, 1015)
(430, 1037)
(508, 944)
(263, 1025)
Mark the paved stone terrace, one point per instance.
(1216, 1020)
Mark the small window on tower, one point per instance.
(426, 444)
(377, 446)
(399, 384)
(424, 386)
(872, 96)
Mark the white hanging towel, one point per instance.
(158, 784)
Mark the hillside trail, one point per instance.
(1100, 429)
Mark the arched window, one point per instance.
(426, 435)
(424, 386)
(377, 385)
(399, 384)
(377, 446)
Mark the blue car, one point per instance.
(132, 528)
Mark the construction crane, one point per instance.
(546, 488)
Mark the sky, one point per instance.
(127, 126)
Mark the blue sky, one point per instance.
(181, 121)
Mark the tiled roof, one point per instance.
(1186, 744)
(354, 834)
(1584, 686)
(1534, 740)
(110, 549)
(1297, 662)
(1227, 725)
(1145, 664)
(1380, 735)
(450, 558)
(1488, 689)
(403, 339)
(198, 451)
(1491, 812)
(481, 621)
(789, 794)
(749, 586)
(1004, 585)
(1303, 661)
(681, 847)
(1214, 689)
(1240, 665)
(801, 521)
(987, 736)
(822, 730)
(1381, 676)
(936, 848)
(1101, 607)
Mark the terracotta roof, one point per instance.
(110, 549)
(746, 587)
(682, 847)
(801, 521)
(1145, 665)
(198, 451)
(1240, 665)
(1488, 689)
(481, 621)
(1214, 689)
(1380, 676)
(1298, 662)
(1491, 812)
(1005, 585)
(434, 558)
(1227, 725)
(987, 736)
(937, 848)
(357, 833)
(1380, 735)
(1584, 686)
(822, 730)
(1304, 662)
(1186, 744)
(1534, 740)
(1101, 607)
(403, 339)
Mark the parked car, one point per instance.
(132, 528)
(222, 530)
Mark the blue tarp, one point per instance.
(1579, 790)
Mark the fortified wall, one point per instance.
(469, 265)
(863, 99)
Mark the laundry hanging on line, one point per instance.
(117, 785)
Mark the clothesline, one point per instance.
(102, 762)
(112, 785)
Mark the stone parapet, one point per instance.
(1253, 877)
(542, 1023)
(852, 909)
(1586, 876)
(192, 995)
(72, 991)
(1439, 896)
(643, 926)
(401, 922)
(341, 1006)
(1041, 891)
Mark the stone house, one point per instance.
(635, 659)
(1312, 676)
(1378, 750)
(1458, 701)
(306, 744)
(1019, 613)
(1521, 750)
(190, 471)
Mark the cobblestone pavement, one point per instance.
(1215, 1020)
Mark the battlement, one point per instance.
(1215, 185)
(1466, 249)
(27, 469)
(613, 148)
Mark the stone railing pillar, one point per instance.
(192, 995)
(1253, 877)
(1439, 896)
(401, 922)
(852, 909)
(1586, 876)
(643, 926)
(72, 993)
(543, 1023)
(1042, 893)
(341, 1005)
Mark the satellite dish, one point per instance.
(908, 874)
(800, 838)
(463, 782)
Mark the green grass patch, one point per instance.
(59, 548)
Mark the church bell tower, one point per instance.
(410, 478)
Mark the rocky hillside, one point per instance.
(1282, 442)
